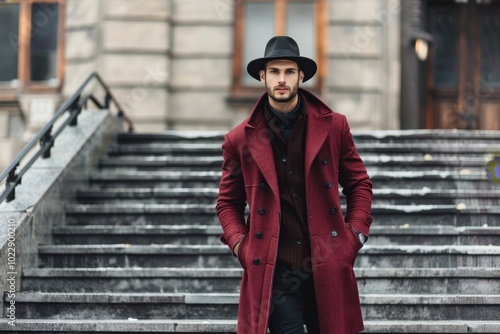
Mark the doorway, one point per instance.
(463, 71)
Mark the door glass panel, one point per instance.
(444, 28)
(9, 37)
(490, 50)
(43, 57)
(300, 26)
(259, 28)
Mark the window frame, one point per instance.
(239, 89)
(24, 46)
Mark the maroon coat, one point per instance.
(249, 175)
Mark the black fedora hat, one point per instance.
(282, 47)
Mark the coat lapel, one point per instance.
(319, 118)
(258, 138)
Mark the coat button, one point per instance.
(324, 161)
(259, 235)
(298, 242)
(256, 261)
(263, 186)
(295, 195)
(291, 173)
(334, 233)
(284, 158)
(261, 211)
(333, 210)
(328, 184)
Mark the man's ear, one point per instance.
(301, 76)
(262, 75)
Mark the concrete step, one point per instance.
(143, 214)
(224, 306)
(172, 136)
(428, 137)
(473, 149)
(177, 148)
(210, 256)
(209, 196)
(149, 195)
(140, 214)
(138, 235)
(155, 179)
(435, 180)
(224, 280)
(64, 326)
(215, 148)
(163, 162)
(209, 235)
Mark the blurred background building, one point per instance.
(181, 64)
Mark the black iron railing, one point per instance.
(46, 137)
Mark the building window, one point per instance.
(259, 20)
(31, 45)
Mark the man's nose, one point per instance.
(281, 77)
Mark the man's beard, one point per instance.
(283, 99)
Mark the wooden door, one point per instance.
(463, 72)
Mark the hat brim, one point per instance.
(306, 65)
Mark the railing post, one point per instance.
(48, 142)
(75, 108)
(107, 100)
(11, 179)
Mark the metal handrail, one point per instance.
(46, 139)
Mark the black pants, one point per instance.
(293, 301)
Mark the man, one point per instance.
(296, 248)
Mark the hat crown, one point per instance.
(282, 45)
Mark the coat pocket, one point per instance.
(241, 251)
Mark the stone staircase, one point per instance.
(139, 250)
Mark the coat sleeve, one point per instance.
(356, 184)
(231, 201)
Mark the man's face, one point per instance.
(282, 79)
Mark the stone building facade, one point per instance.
(170, 62)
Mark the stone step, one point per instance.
(138, 235)
(434, 180)
(171, 136)
(175, 148)
(140, 214)
(224, 280)
(382, 179)
(209, 235)
(479, 148)
(210, 256)
(163, 162)
(215, 148)
(209, 196)
(429, 137)
(132, 325)
(224, 306)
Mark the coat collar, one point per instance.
(259, 136)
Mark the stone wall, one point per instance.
(364, 62)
